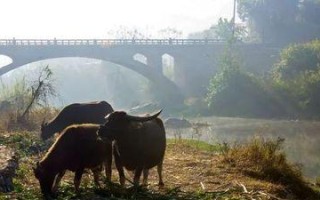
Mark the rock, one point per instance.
(8, 166)
(176, 123)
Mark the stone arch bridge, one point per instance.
(195, 61)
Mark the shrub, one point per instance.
(264, 159)
(233, 92)
(297, 77)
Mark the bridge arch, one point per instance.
(194, 60)
(164, 85)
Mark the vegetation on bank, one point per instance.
(290, 90)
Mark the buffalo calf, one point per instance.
(78, 147)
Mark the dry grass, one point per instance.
(9, 120)
(264, 159)
(192, 170)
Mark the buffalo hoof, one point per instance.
(50, 196)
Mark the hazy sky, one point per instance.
(95, 18)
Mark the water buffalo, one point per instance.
(77, 113)
(78, 147)
(139, 143)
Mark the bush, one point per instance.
(264, 159)
(233, 92)
(297, 78)
(297, 59)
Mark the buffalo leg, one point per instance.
(137, 175)
(145, 176)
(107, 164)
(57, 181)
(77, 180)
(159, 169)
(96, 175)
(119, 167)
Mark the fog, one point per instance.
(94, 19)
(86, 80)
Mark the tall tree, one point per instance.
(283, 21)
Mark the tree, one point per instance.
(297, 77)
(40, 91)
(234, 92)
(281, 22)
(124, 32)
(296, 60)
(167, 33)
(224, 30)
(24, 96)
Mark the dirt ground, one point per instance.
(193, 170)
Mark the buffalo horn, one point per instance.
(143, 118)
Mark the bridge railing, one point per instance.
(106, 42)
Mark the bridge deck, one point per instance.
(106, 42)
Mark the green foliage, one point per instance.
(296, 60)
(297, 77)
(25, 143)
(281, 22)
(226, 30)
(233, 92)
(23, 190)
(291, 91)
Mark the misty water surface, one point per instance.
(302, 138)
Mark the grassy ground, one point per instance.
(192, 170)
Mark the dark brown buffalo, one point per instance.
(78, 147)
(77, 113)
(140, 143)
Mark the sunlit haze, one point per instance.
(39, 19)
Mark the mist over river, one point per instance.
(301, 144)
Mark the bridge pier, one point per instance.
(155, 62)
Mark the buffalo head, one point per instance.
(45, 178)
(44, 130)
(119, 121)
